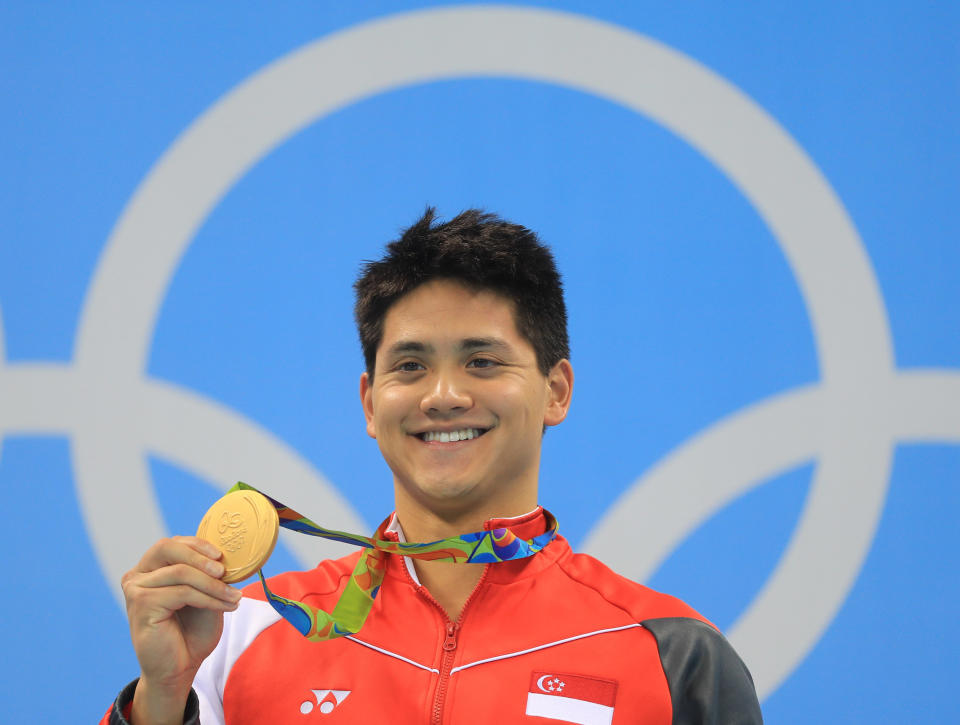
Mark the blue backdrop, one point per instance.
(754, 209)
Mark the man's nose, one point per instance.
(447, 393)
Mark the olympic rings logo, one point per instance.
(848, 422)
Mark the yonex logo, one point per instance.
(324, 700)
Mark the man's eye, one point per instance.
(409, 367)
(481, 362)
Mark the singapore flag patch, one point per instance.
(571, 698)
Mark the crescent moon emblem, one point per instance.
(540, 683)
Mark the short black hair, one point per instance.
(481, 251)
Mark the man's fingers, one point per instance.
(180, 596)
(201, 545)
(175, 576)
(188, 550)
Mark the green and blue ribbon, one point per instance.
(353, 607)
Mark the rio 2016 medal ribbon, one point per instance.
(351, 610)
(244, 526)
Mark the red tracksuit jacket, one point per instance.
(555, 638)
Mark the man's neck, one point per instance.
(451, 584)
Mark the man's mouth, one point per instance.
(451, 436)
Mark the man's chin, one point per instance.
(451, 492)
(447, 497)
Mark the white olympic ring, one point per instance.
(849, 421)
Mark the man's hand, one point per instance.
(175, 604)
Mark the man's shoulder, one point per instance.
(639, 601)
(326, 578)
(707, 679)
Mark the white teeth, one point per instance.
(451, 436)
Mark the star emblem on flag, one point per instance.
(555, 685)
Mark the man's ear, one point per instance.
(559, 393)
(366, 400)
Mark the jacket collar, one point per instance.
(526, 526)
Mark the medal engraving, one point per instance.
(233, 541)
(229, 520)
(231, 531)
(243, 525)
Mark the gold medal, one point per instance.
(244, 526)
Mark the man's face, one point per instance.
(458, 404)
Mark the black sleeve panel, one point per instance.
(709, 683)
(191, 713)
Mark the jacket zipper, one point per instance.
(449, 650)
(449, 646)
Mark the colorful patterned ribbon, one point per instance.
(351, 610)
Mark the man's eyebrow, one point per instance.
(405, 346)
(479, 343)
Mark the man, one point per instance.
(463, 329)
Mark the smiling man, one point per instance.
(458, 409)
(463, 330)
